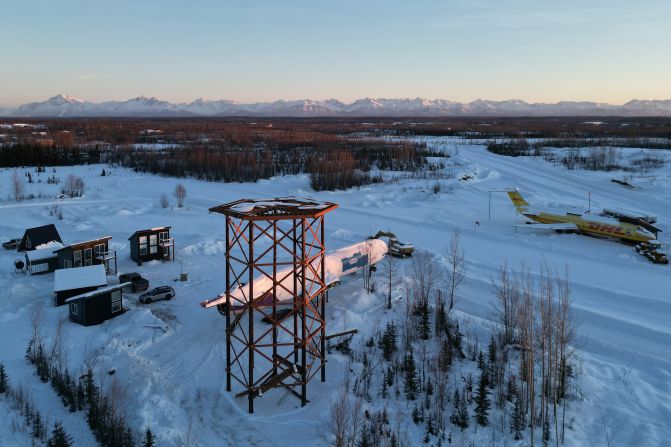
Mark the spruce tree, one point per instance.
(463, 415)
(468, 388)
(456, 338)
(148, 438)
(393, 441)
(511, 390)
(38, 426)
(441, 315)
(28, 413)
(416, 418)
(481, 361)
(388, 342)
(80, 396)
(482, 401)
(425, 320)
(364, 439)
(127, 439)
(492, 357)
(445, 356)
(430, 426)
(410, 377)
(390, 376)
(429, 388)
(3, 379)
(517, 419)
(456, 401)
(58, 437)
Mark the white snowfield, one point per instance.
(338, 263)
(170, 356)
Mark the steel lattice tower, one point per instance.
(276, 246)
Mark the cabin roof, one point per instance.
(275, 209)
(42, 235)
(97, 292)
(148, 231)
(79, 277)
(46, 252)
(104, 238)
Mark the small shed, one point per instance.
(97, 306)
(42, 260)
(152, 244)
(93, 252)
(33, 238)
(73, 282)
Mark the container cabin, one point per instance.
(152, 244)
(34, 238)
(83, 254)
(76, 281)
(97, 306)
(42, 260)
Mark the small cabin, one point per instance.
(97, 306)
(93, 252)
(34, 238)
(152, 244)
(76, 281)
(42, 260)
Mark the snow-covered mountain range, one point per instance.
(68, 106)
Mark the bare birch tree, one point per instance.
(17, 186)
(507, 307)
(455, 268)
(180, 195)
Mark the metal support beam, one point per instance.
(228, 304)
(250, 317)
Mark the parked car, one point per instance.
(11, 244)
(157, 293)
(138, 283)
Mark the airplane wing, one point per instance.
(557, 226)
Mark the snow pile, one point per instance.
(44, 251)
(79, 278)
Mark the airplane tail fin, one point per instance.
(518, 200)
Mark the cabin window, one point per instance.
(88, 256)
(29, 244)
(163, 236)
(39, 268)
(99, 250)
(77, 256)
(143, 245)
(116, 301)
(74, 309)
(153, 241)
(67, 264)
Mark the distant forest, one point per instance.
(216, 151)
(338, 153)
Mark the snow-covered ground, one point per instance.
(171, 355)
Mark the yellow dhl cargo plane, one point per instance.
(580, 222)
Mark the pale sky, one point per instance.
(535, 50)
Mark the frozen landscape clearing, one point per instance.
(170, 355)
